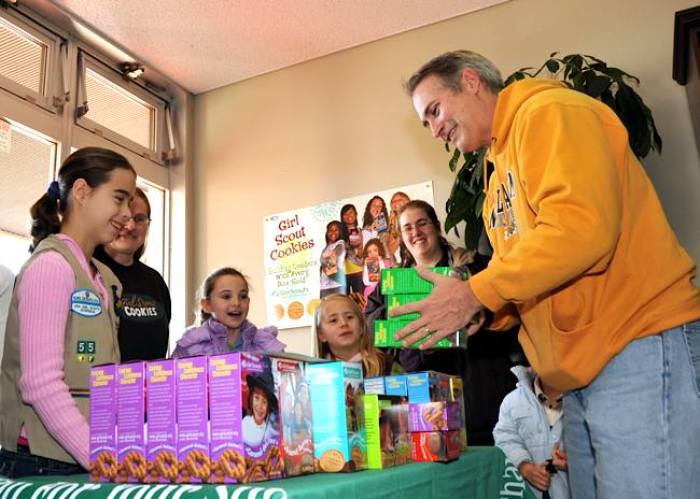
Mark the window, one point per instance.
(28, 60)
(27, 168)
(122, 111)
(23, 58)
(116, 109)
(154, 255)
(39, 64)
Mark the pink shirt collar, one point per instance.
(77, 252)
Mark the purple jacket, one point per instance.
(211, 338)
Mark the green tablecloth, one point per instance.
(481, 472)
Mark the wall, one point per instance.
(331, 127)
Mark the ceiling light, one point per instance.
(131, 70)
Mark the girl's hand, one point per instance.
(536, 474)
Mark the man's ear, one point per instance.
(470, 80)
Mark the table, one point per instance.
(481, 472)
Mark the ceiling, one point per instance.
(211, 43)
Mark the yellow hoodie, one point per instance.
(581, 243)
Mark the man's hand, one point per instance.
(451, 306)
(536, 474)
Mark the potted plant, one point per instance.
(584, 73)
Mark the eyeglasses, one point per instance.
(419, 226)
(140, 219)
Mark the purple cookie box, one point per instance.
(131, 416)
(103, 416)
(161, 410)
(450, 417)
(225, 410)
(192, 412)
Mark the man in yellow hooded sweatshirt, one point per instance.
(586, 260)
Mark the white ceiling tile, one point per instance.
(211, 43)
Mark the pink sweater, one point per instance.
(49, 281)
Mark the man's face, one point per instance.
(462, 119)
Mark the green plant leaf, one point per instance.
(573, 65)
(579, 81)
(455, 158)
(552, 66)
(479, 206)
(596, 85)
(472, 231)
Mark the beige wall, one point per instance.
(340, 125)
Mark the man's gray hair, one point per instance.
(448, 67)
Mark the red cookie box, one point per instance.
(103, 424)
(161, 410)
(192, 420)
(440, 446)
(226, 446)
(131, 419)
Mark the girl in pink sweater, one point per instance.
(43, 406)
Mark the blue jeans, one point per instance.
(21, 463)
(635, 430)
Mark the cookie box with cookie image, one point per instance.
(192, 420)
(226, 443)
(338, 416)
(431, 446)
(161, 434)
(103, 423)
(260, 423)
(428, 386)
(431, 416)
(388, 437)
(292, 389)
(131, 419)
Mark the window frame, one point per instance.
(47, 98)
(112, 75)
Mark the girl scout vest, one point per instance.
(90, 339)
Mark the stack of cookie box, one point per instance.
(189, 428)
(386, 420)
(401, 286)
(435, 413)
